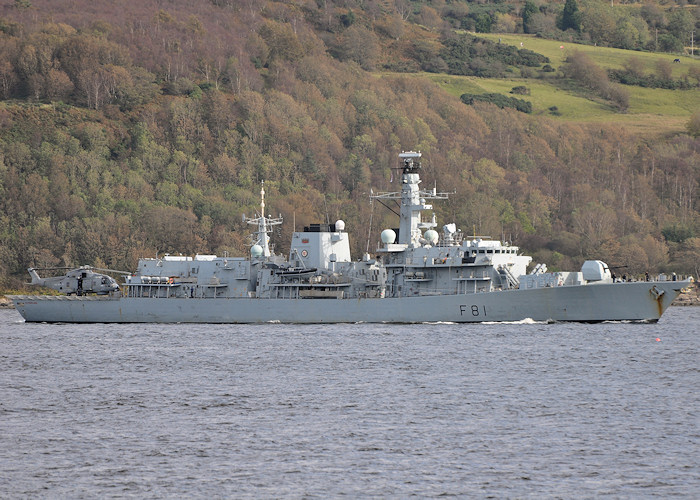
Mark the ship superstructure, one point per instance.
(417, 274)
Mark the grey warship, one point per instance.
(416, 275)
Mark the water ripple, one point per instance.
(525, 410)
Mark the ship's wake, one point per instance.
(526, 321)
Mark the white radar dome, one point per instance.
(388, 236)
(340, 225)
(432, 236)
(256, 251)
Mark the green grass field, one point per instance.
(606, 57)
(651, 111)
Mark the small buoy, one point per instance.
(658, 339)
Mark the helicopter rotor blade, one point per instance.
(75, 268)
(50, 268)
(110, 270)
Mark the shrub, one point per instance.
(693, 125)
(677, 233)
(647, 81)
(619, 96)
(469, 55)
(499, 100)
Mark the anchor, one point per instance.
(656, 292)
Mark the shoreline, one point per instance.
(689, 298)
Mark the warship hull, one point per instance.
(631, 301)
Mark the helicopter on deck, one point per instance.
(80, 281)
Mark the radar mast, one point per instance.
(412, 200)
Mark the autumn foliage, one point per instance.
(149, 129)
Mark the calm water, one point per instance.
(514, 410)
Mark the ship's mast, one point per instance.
(264, 224)
(412, 200)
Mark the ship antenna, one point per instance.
(262, 199)
(371, 215)
(264, 225)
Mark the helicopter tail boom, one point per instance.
(36, 279)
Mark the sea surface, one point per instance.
(526, 410)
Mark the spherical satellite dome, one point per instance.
(432, 236)
(388, 236)
(340, 225)
(256, 251)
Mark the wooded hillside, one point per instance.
(126, 132)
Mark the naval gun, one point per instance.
(80, 281)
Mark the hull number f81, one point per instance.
(474, 310)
